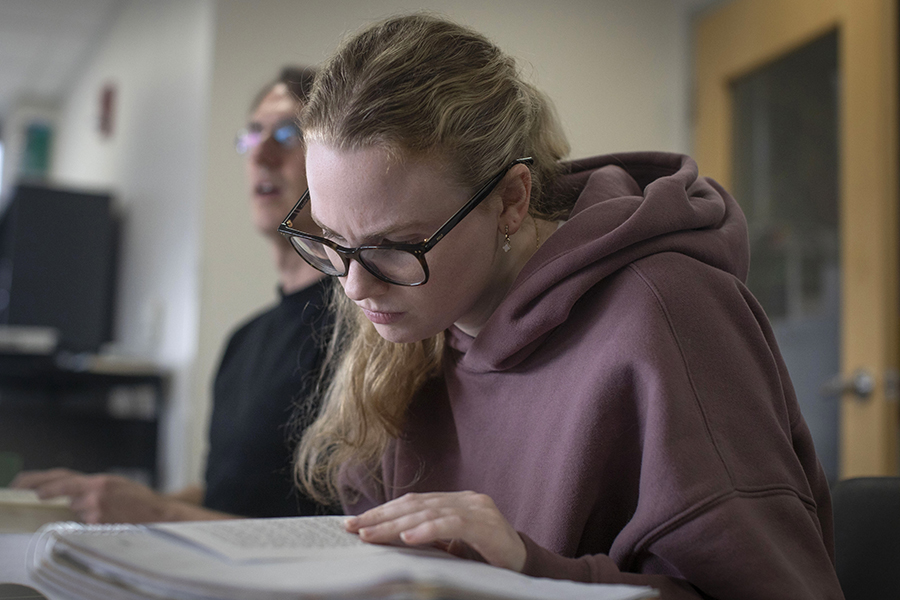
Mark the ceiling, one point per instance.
(44, 43)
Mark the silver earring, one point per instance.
(506, 246)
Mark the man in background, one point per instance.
(267, 369)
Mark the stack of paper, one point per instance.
(296, 558)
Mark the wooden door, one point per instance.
(734, 44)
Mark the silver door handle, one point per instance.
(860, 383)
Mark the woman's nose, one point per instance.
(359, 284)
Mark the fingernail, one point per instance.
(351, 522)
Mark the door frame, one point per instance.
(743, 35)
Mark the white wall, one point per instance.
(616, 69)
(158, 55)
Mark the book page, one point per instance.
(273, 539)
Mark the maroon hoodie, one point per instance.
(626, 405)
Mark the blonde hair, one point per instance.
(414, 85)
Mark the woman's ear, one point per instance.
(516, 196)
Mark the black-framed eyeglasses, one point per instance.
(285, 132)
(399, 264)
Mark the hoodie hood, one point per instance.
(626, 207)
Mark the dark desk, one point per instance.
(83, 412)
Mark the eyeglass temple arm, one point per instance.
(286, 225)
(483, 193)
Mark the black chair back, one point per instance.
(867, 537)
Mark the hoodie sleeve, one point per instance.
(359, 490)
(765, 555)
(598, 568)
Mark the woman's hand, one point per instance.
(459, 522)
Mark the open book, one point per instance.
(296, 558)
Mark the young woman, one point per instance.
(553, 367)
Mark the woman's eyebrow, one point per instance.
(374, 235)
(328, 232)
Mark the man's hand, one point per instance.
(101, 498)
(463, 523)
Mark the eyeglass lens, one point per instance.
(286, 133)
(397, 266)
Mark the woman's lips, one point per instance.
(382, 318)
